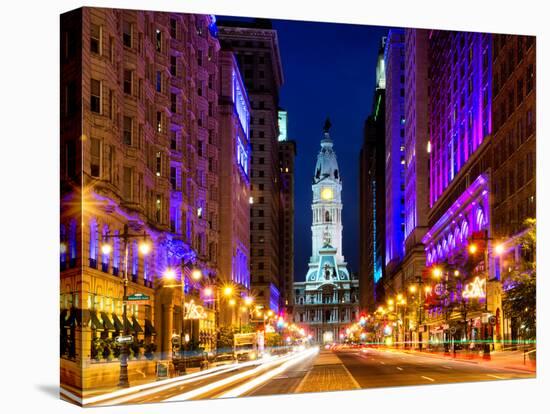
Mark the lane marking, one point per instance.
(235, 378)
(495, 376)
(445, 366)
(254, 383)
(399, 368)
(428, 378)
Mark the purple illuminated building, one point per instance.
(460, 123)
(394, 58)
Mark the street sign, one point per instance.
(124, 339)
(452, 330)
(176, 340)
(493, 320)
(137, 296)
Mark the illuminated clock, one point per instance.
(327, 193)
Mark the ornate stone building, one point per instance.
(140, 155)
(327, 301)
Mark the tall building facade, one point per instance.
(513, 178)
(287, 155)
(416, 164)
(257, 51)
(460, 127)
(140, 156)
(372, 197)
(234, 111)
(394, 57)
(327, 301)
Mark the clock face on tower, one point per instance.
(327, 193)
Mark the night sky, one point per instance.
(329, 70)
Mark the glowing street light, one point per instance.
(399, 297)
(232, 302)
(412, 288)
(169, 273)
(390, 302)
(228, 291)
(499, 249)
(456, 273)
(144, 247)
(196, 274)
(208, 291)
(437, 272)
(106, 248)
(248, 301)
(472, 248)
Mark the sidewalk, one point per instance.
(327, 374)
(499, 359)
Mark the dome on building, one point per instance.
(327, 165)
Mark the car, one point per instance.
(223, 359)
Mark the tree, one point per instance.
(225, 339)
(519, 301)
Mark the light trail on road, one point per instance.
(238, 377)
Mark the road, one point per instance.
(388, 368)
(311, 371)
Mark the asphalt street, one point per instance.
(380, 368)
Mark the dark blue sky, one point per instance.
(329, 70)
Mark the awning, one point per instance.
(128, 327)
(118, 325)
(107, 324)
(137, 326)
(94, 321)
(149, 328)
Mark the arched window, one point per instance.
(105, 257)
(63, 247)
(134, 261)
(327, 217)
(457, 239)
(93, 244)
(464, 230)
(72, 243)
(480, 219)
(116, 253)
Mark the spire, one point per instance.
(327, 125)
(327, 166)
(326, 141)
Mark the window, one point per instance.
(95, 96)
(127, 34)
(158, 208)
(158, 164)
(158, 44)
(174, 177)
(174, 140)
(128, 77)
(127, 179)
(174, 28)
(173, 66)
(173, 102)
(95, 161)
(159, 81)
(95, 39)
(127, 130)
(160, 123)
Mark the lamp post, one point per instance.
(196, 275)
(472, 249)
(144, 248)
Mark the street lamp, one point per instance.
(106, 248)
